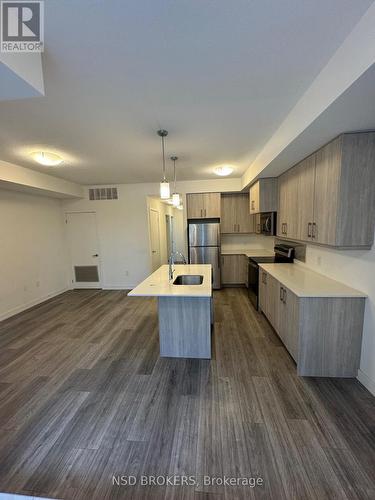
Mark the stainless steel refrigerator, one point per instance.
(204, 247)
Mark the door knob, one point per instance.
(96, 255)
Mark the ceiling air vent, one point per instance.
(105, 193)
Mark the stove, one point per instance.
(283, 254)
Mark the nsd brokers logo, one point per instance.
(22, 26)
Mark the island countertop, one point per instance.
(158, 284)
(306, 283)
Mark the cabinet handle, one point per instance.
(252, 204)
(313, 230)
(258, 228)
(201, 212)
(286, 228)
(284, 296)
(309, 229)
(281, 293)
(238, 228)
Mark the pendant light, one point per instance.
(175, 196)
(164, 185)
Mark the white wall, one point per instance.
(32, 254)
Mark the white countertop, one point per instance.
(306, 283)
(158, 284)
(252, 252)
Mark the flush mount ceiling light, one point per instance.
(164, 185)
(223, 170)
(176, 199)
(46, 158)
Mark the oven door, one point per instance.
(253, 276)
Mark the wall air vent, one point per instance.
(103, 193)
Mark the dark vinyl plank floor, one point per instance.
(84, 396)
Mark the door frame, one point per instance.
(150, 236)
(98, 286)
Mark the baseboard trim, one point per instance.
(118, 287)
(366, 381)
(32, 303)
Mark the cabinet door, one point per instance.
(273, 292)
(283, 200)
(288, 318)
(305, 172)
(232, 270)
(263, 292)
(228, 221)
(257, 223)
(245, 221)
(195, 206)
(211, 205)
(326, 193)
(287, 225)
(292, 205)
(254, 198)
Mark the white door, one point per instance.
(82, 240)
(155, 239)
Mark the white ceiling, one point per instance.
(219, 75)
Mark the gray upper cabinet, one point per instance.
(263, 196)
(329, 198)
(235, 217)
(203, 205)
(287, 217)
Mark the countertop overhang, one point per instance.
(304, 282)
(158, 284)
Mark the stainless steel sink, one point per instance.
(188, 279)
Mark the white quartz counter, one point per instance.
(158, 284)
(306, 283)
(253, 252)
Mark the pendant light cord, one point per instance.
(162, 147)
(174, 175)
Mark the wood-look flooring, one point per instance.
(84, 396)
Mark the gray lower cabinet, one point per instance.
(234, 269)
(322, 334)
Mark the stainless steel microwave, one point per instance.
(268, 223)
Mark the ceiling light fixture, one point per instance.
(176, 199)
(46, 158)
(223, 170)
(164, 185)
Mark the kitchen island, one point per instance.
(185, 310)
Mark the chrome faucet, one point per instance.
(171, 261)
(171, 266)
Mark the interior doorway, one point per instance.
(155, 239)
